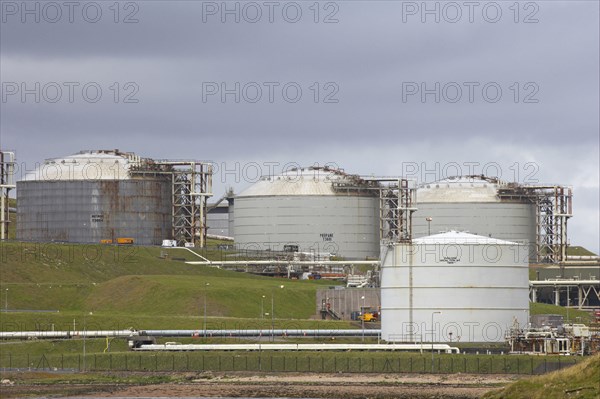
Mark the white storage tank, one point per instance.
(474, 288)
(309, 210)
(472, 204)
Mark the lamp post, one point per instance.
(432, 337)
(6, 300)
(429, 219)
(362, 317)
(262, 307)
(273, 313)
(205, 286)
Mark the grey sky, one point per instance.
(365, 57)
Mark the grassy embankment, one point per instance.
(581, 381)
(121, 287)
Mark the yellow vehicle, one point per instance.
(368, 315)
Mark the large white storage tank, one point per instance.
(479, 284)
(311, 210)
(472, 204)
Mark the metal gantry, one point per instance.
(397, 199)
(7, 183)
(553, 205)
(191, 185)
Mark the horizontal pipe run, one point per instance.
(189, 333)
(297, 347)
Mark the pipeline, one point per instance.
(188, 333)
(296, 347)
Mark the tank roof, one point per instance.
(460, 237)
(309, 181)
(460, 189)
(86, 165)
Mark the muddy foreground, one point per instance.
(271, 386)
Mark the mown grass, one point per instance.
(137, 281)
(574, 315)
(580, 381)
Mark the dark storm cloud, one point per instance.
(367, 55)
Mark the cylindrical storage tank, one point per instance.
(472, 204)
(475, 289)
(311, 210)
(91, 198)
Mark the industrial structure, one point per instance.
(318, 210)
(452, 285)
(111, 196)
(530, 214)
(7, 183)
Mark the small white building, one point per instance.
(474, 288)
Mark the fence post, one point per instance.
(491, 366)
(545, 365)
(477, 364)
(531, 365)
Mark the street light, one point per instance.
(205, 285)
(432, 337)
(273, 313)
(262, 307)
(362, 317)
(429, 219)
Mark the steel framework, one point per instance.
(7, 169)
(191, 185)
(554, 207)
(397, 199)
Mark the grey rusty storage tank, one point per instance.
(471, 203)
(453, 286)
(309, 210)
(92, 196)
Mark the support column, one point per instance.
(579, 296)
(534, 294)
(556, 296)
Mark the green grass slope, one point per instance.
(572, 315)
(136, 281)
(580, 381)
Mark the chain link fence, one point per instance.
(288, 362)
